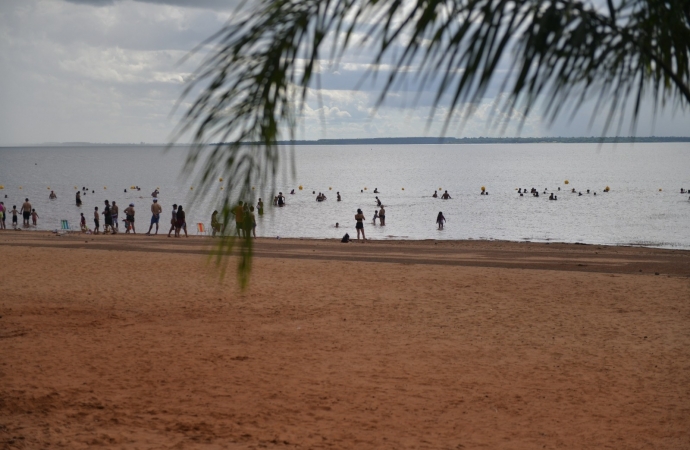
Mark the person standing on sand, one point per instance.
(173, 220)
(96, 221)
(440, 220)
(359, 217)
(82, 223)
(156, 210)
(239, 218)
(114, 210)
(129, 218)
(251, 222)
(181, 222)
(382, 216)
(26, 211)
(107, 218)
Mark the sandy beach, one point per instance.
(135, 342)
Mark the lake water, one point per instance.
(635, 212)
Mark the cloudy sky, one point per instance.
(109, 71)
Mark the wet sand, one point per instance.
(135, 342)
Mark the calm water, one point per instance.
(634, 212)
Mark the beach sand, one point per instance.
(135, 342)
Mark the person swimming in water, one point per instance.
(378, 202)
(376, 216)
(445, 196)
(339, 196)
(435, 195)
(376, 190)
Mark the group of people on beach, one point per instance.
(27, 211)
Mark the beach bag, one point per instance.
(345, 239)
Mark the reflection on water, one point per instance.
(634, 212)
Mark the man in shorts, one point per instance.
(155, 215)
(129, 216)
(26, 211)
(113, 212)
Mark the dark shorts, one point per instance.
(14, 219)
(95, 222)
(26, 215)
(130, 218)
(155, 218)
(359, 226)
(382, 217)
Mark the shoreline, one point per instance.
(468, 253)
(391, 240)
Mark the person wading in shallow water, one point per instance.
(440, 220)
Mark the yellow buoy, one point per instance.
(191, 188)
(330, 188)
(48, 188)
(220, 179)
(132, 187)
(403, 189)
(221, 188)
(2, 186)
(483, 188)
(76, 187)
(105, 187)
(365, 189)
(566, 182)
(253, 188)
(659, 189)
(20, 187)
(440, 189)
(300, 187)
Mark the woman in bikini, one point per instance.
(359, 217)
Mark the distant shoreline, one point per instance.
(405, 141)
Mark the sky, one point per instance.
(112, 71)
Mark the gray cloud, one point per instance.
(216, 5)
(108, 71)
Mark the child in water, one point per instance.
(34, 216)
(440, 220)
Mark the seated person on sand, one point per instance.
(445, 195)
